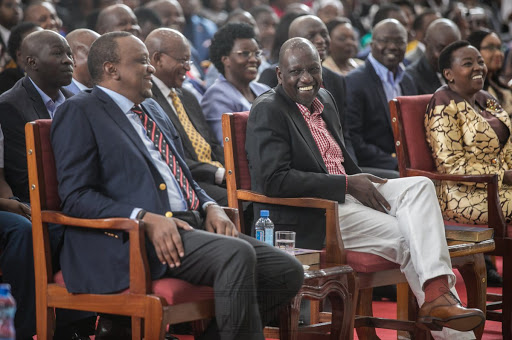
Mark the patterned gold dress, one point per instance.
(463, 142)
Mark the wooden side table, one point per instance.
(339, 284)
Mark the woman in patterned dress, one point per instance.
(469, 133)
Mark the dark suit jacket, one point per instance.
(424, 77)
(284, 161)
(20, 105)
(201, 171)
(105, 170)
(368, 117)
(333, 83)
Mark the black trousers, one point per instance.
(251, 280)
(17, 264)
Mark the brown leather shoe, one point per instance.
(447, 311)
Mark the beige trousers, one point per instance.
(411, 235)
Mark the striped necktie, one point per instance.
(202, 149)
(156, 136)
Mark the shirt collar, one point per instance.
(124, 103)
(51, 105)
(317, 106)
(161, 86)
(78, 84)
(384, 73)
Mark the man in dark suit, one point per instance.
(48, 64)
(80, 41)
(312, 28)
(298, 121)
(169, 51)
(369, 89)
(425, 72)
(108, 165)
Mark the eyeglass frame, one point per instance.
(182, 61)
(493, 48)
(248, 54)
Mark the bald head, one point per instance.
(300, 70)
(313, 29)
(169, 52)
(440, 33)
(117, 18)
(80, 41)
(48, 60)
(170, 12)
(389, 41)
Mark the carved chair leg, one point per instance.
(364, 308)
(475, 280)
(289, 319)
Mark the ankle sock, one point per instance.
(436, 287)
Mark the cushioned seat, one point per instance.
(174, 291)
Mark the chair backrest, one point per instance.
(45, 180)
(234, 127)
(407, 117)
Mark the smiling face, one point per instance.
(10, 13)
(314, 30)
(389, 42)
(133, 71)
(490, 48)
(467, 72)
(343, 42)
(238, 68)
(300, 74)
(171, 63)
(43, 15)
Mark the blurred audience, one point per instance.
(43, 14)
(10, 15)
(343, 48)
(80, 41)
(117, 18)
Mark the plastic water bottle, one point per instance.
(265, 228)
(7, 311)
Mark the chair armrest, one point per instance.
(233, 216)
(140, 277)
(487, 178)
(333, 241)
(496, 218)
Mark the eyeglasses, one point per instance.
(494, 48)
(249, 54)
(182, 61)
(388, 41)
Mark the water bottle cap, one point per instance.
(5, 288)
(264, 213)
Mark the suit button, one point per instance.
(494, 161)
(168, 214)
(162, 186)
(393, 155)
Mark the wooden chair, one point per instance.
(415, 159)
(157, 304)
(373, 271)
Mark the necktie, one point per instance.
(201, 147)
(156, 136)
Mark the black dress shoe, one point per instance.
(113, 327)
(494, 279)
(79, 330)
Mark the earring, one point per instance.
(451, 81)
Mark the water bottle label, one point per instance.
(260, 235)
(269, 237)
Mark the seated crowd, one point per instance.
(136, 91)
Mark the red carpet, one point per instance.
(388, 310)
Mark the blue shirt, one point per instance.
(176, 199)
(51, 105)
(390, 82)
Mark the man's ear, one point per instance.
(155, 58)
(111, 70)
(31, 62)
(279, 75)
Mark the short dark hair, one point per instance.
(418, 22)
(104, 49)
(445, 58)
(281, 36)
(224, 39)
(331, 25)
(476, 37)
(16, 37)
(256, 11)
(383, 13)
(145, 14)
